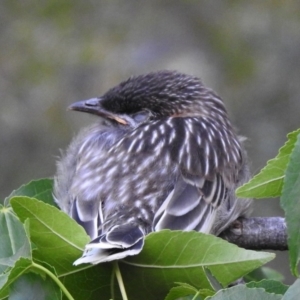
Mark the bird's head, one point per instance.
(153, 96)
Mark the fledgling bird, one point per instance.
(163, 155)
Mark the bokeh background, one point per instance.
(56, 52)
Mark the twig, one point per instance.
(258, 233)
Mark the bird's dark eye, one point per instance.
(141, 116)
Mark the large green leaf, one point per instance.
(269, 182)
(290, 202)
(40, 189)
(172, 256)
(58, 238)
(59, 241)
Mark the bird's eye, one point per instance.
(141, 116)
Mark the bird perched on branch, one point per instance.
(163, 155)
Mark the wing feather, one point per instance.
(202, 186)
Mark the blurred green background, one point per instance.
(57, 52)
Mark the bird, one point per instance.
(163, 154)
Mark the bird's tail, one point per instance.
(118, 242)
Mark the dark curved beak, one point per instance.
(93, 106)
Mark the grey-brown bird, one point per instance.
(162, 155)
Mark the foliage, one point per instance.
(39, 244)
(281, 177)
(269, 181)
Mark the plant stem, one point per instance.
(120, 280)
(112, 283)
(54, 278)
(195, 297)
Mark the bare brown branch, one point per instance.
(258, 233)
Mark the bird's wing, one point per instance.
(205, 158)
(87, 214)
(191, 207)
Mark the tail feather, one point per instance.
(120, 241)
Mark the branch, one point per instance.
(258, 233)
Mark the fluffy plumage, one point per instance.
(163, 155)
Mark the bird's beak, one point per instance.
(93, 106)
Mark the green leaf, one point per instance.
(6, 279)
(241, 292)
(264, 273)
(270, 286)
(59, 241)
(293, 292)
(32, 286)
(167, 257)
(58, 238)
(172, 256)
(187, 290)
(91, 282)
(14, 241)
(40, 189)
(269, 182)
(290, 202)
